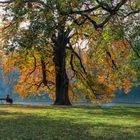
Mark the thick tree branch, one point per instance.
(72, 66)
(132, 12)
(79, 58)
(119, 5)
(71, 12)
(44, 76)
(112, 60)
(84, 13)
(27, 76)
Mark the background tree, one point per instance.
(45, 34)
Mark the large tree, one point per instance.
(51, 27)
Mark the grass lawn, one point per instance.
(69, 123)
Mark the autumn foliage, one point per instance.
(107, 69)
(76, 49)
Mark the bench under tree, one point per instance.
(8, 100)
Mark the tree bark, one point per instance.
(62, 81)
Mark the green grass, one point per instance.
(69, 123)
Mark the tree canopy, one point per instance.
(70, 48)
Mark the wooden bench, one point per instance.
(8, 100)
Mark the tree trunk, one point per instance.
(62, 81)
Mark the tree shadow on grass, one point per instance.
(22, 126)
